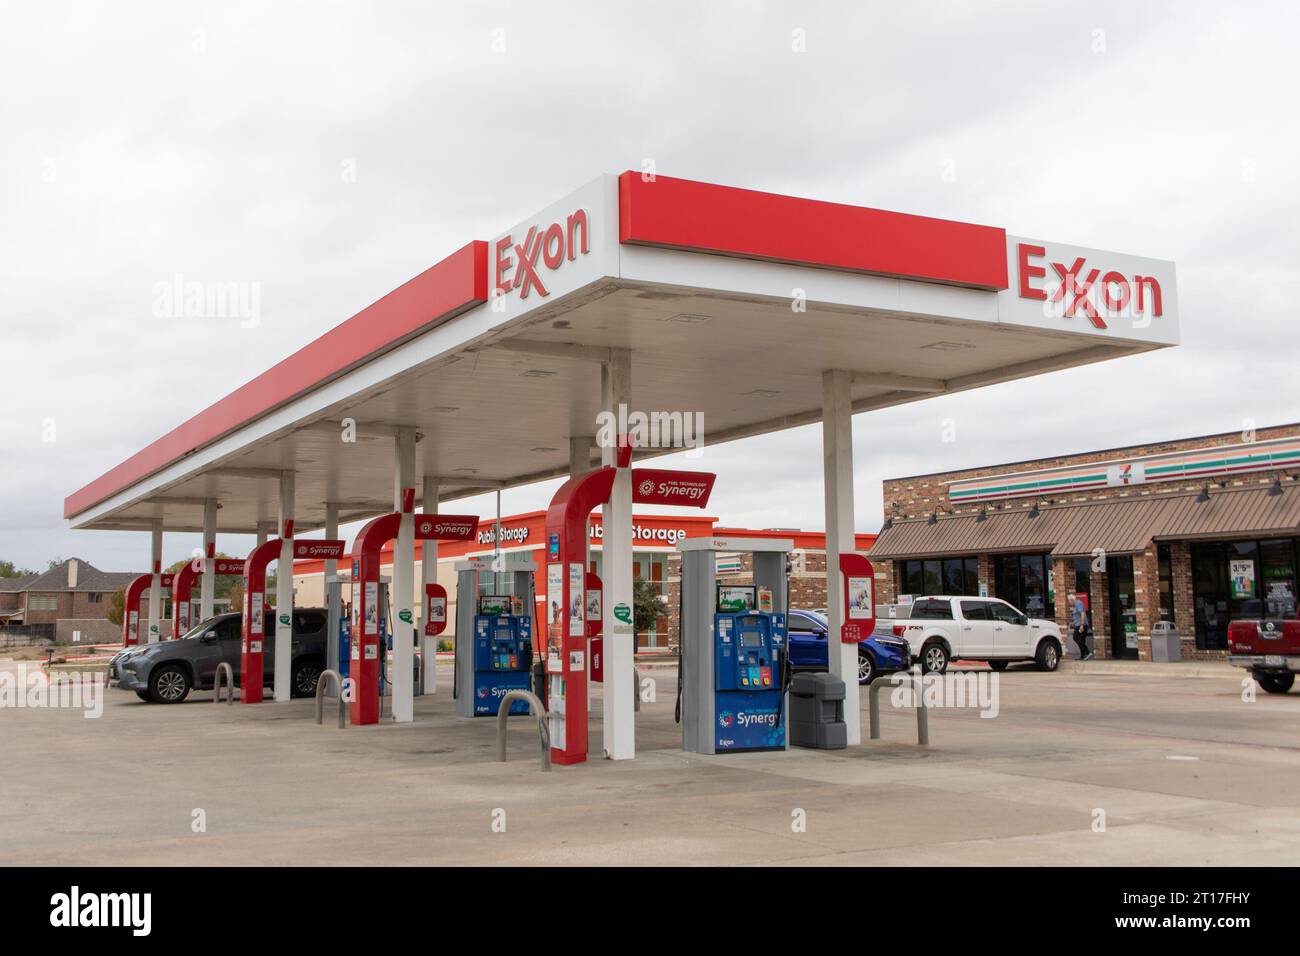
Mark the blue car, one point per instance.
(877, 654)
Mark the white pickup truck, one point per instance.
(942, 628)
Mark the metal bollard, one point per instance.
(320, 697)
(918, 702)
(636, 690)
(544, 731)
(223, 668)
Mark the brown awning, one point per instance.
(1122, 526)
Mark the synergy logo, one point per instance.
(726, 719)
(483, 693)
(549, 247)
(767, 719)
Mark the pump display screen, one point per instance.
(733, 598)
(503, 634)
(751, 639)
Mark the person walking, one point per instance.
(1080, 627)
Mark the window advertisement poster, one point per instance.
(1241, 572)
(861, 603)
(577, 593)
(554, 617)
(372, 607)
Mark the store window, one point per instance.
(1241, 580)
(956, 576)
(1025, 580)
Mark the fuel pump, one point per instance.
(734, 670)
(494, 633)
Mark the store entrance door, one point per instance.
(1123, 607)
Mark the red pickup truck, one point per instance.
(1270, 650)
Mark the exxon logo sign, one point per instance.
(522, 266)
(1078, 288)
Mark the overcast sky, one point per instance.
(147, 140)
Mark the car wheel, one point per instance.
(934, 658)
(1275, 683)
(999, 665)
(169, 684)
(144, 696)
(866, 668)
(305, 675)
(1048, 656)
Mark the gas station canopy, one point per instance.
(731, 302)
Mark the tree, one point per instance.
(9, 570)
(647, 604)
(224, 583)
(53, 563)
(117, 606)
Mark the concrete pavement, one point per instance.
(1183, 771)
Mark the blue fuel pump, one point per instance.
(751, 673)
(503, 655)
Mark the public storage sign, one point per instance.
(566, 246)
(1089, 291)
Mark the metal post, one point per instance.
(537, 710)
(918, 702)
(325, 675)
(223, 668)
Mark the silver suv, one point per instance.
(166, 672)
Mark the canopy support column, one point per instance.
(618, 715)
(429, 575)
(837, 478)
(401, 597)
(208, 583)
(284, 591)
(155, 586)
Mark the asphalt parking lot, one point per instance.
(1184, 771)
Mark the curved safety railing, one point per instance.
(226, 669)
(321, 681)
(538, 711)
(918, 702)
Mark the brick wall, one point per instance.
(917, 496)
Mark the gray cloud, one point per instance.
(209, 140)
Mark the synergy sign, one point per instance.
(1089, 290)
(661, 486)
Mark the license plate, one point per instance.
(1274, 660)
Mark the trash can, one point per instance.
(817, 712)
(1166, 644)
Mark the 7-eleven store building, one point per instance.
(655, 558)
